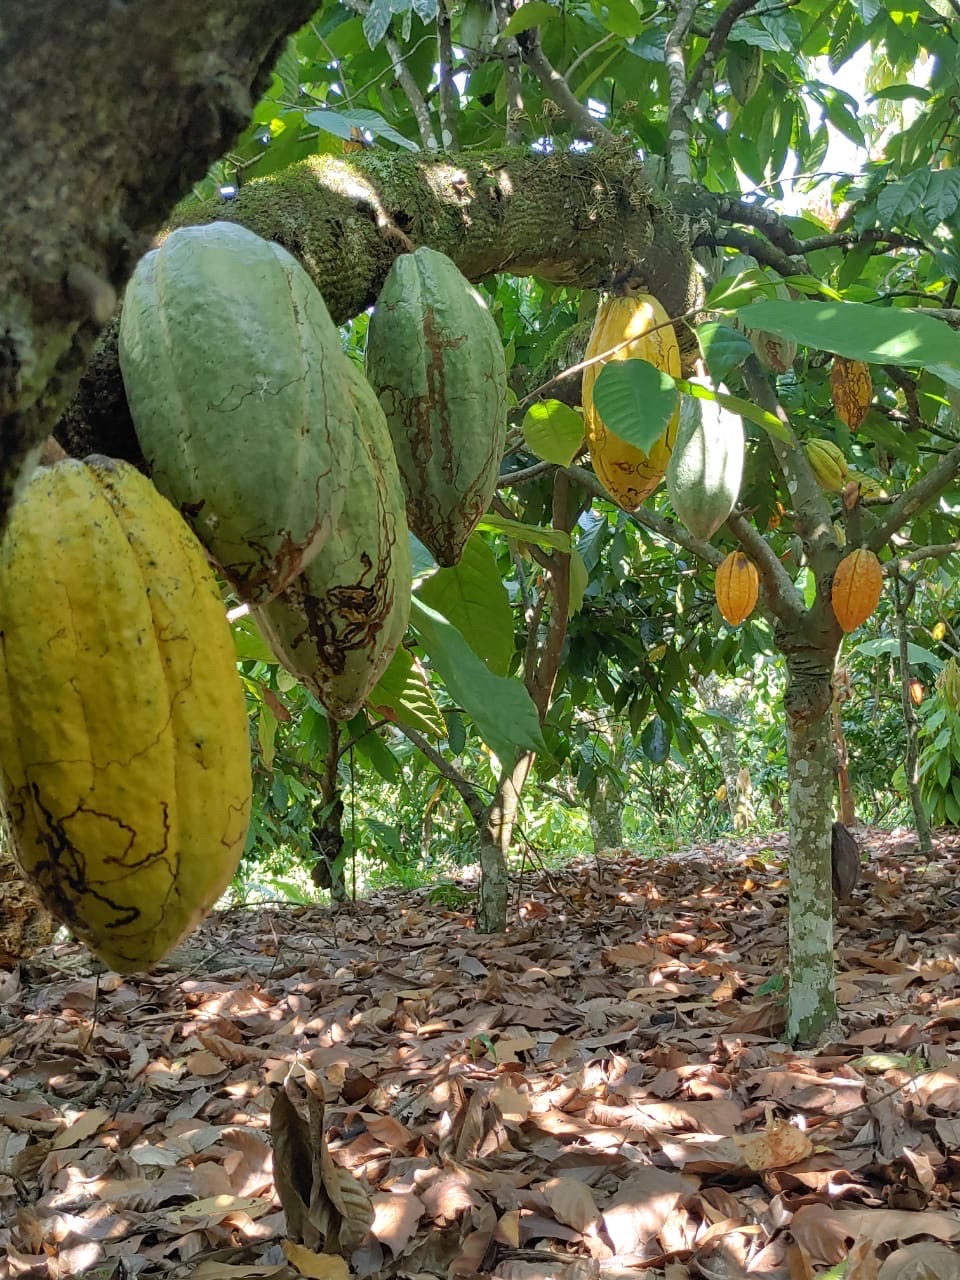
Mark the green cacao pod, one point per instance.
(236, 382)
(744, 70)
(338, 624)
(706, 467)
(123, 735)
(435, 359)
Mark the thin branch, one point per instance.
(449, 99)
(734, 209)
(927, 488)
(940, 551)
(421, 112)
(581, 58)
(578, 115)
(467, 792)
(765, 253)
(521, 476)
(678, 122)
(782, 597)
(511, 76)
(671, 530)
(715, 46)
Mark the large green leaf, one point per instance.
(635, 400)
(501, 708)
(878, 335)
(473, 597)
(553, 431)
(403, 695)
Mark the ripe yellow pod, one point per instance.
(856, 589)
(736, 587)
(628, 474)
(852, 390)
(124, 752)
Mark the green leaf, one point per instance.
(248, 642)
(916, 655)
(549, 539)
(473, 597)
(655, 740)
(376, 20)
(403, 695)
(553, 431)
(534, 14)
(266, 735)
(622, 18)
(731, 292)
(746, 408)
(876, 335)
(371, 748)
(501, 708)
(579, 579)
(723, 347)
(342, 124)
(635, 400)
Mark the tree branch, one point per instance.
(927, 488)
(468, 794)
(782, 597)
(678, 122)
(553, 82)
(715, 45)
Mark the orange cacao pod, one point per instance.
(736, 587)
(852, 390)
(857, 584)
(916, 692)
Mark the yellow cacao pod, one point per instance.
(948, 682)
(852, 390)
(736, 587)
(124, 749)
(829, 465)
(870, 487)
(856, 589)
(628, 474)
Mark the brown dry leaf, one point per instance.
(572, 1202)
(316, 1266)
(521, 1096)
(921, 1261)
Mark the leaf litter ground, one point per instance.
(601, 1092)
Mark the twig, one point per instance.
(678, 123)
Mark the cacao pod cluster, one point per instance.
(124, 752)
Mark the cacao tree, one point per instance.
(691, 152)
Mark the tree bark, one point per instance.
(905, 592)
(808, 700)
(140, 99)
(606, 816)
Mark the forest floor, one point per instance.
(600, 1092)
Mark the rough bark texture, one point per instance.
(571, 218)
(606, 816)
(140, 99)
(812, 778)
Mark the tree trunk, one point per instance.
(495, 840)
(812, 778)
(904, 597)
(606, 816)
(326, 837)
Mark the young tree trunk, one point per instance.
(326, 837)
(812, 779)
(495, 840)
(904, 593)
(606, 816)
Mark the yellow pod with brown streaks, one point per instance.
(124, 751)
(628, 474)
(852, 390)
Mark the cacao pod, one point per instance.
(856, 589)
(852, 390)
(948, 682)
(916, 692)
(736, 587)
(744, 70)
(123, 735)
(869, 486)
(236, 382)
(435, 359)
(844, 861)
(829, 465)
(628, 474)
(706, 467)
(773, 351)
(338, 624)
